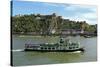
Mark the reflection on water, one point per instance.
(37, 58)
(55, 56)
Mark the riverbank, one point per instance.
(55, 35)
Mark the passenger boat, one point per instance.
(61, 46)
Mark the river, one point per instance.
(21, 58)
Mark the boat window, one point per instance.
(73, 47)
(32, 46)
(27, 46)
(76, 46)
(60, 45)
(45, 48)
(49, 48)
(41, 47)
(53, 48)
(70, 47)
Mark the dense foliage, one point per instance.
(33, 23)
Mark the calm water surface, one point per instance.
(21, 58)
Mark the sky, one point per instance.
(74, 12)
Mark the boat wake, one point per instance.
(77, 52)
(18, 50)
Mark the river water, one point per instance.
(21, 58)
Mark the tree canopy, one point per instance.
(44, 23)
